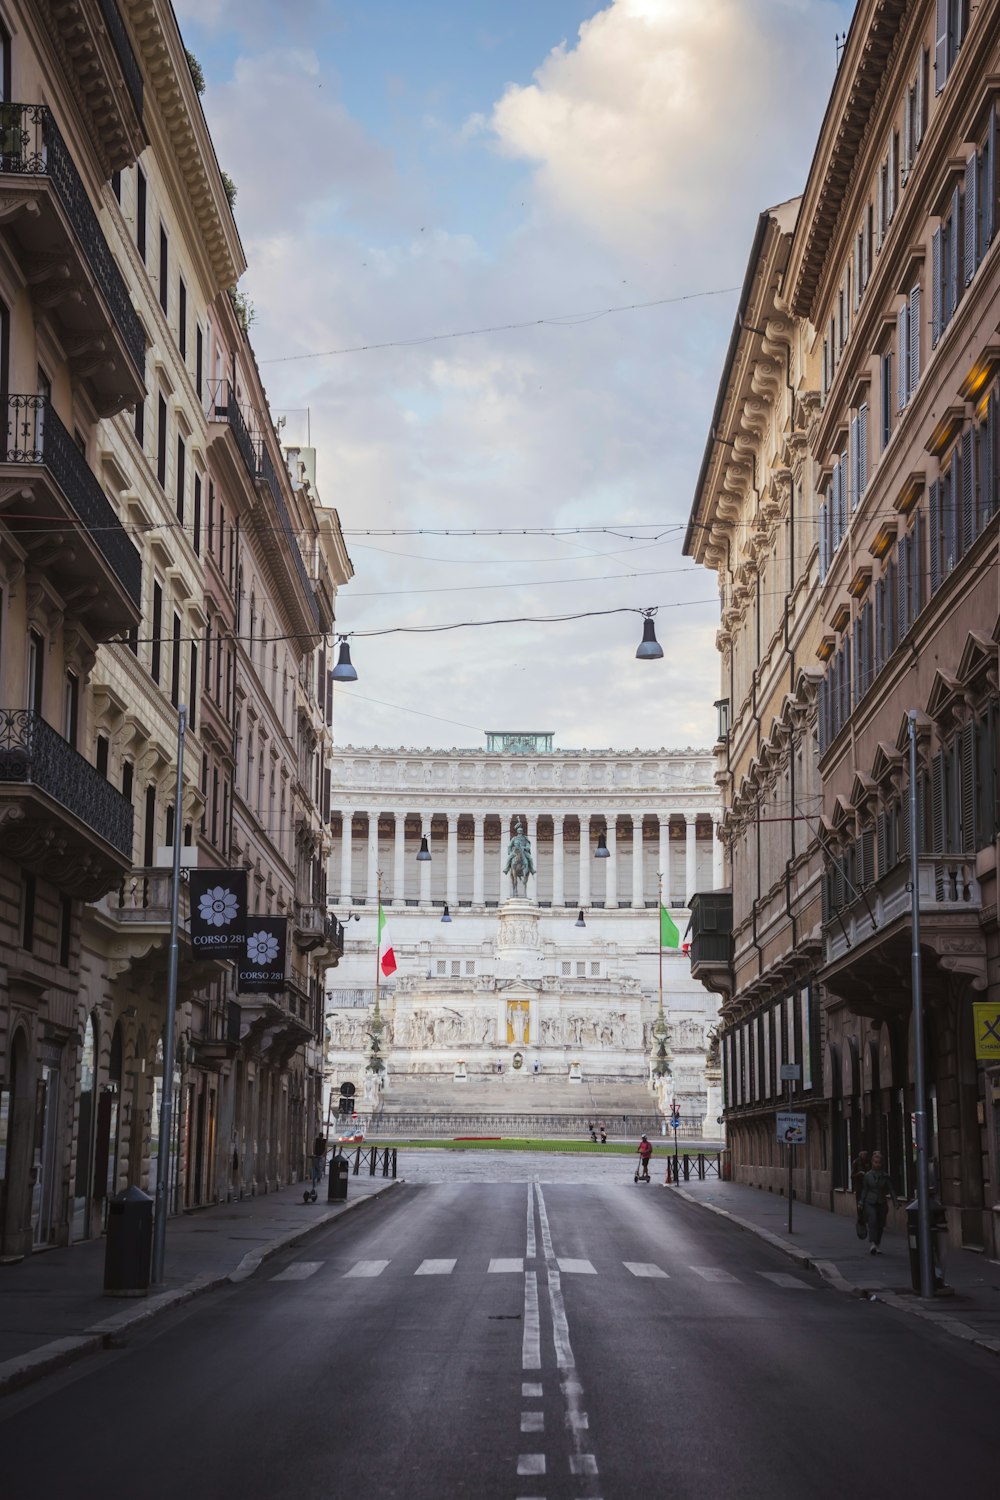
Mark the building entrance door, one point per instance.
(44, 1155)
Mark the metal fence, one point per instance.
(424, 1126)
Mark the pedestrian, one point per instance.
(593, 1132)
(318, 1158)
(604, 1134)
(875, 1189)
(859, 1166)
(645, 1151)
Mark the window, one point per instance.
(567, 968)
(945, 529)
(140, 421)
(149, 827)
(199, 359)
(161, 440)
(101, 755)
(910, 581)
(864, 652)
(908, 347)
(947, 282)
(885, 398)
(951, 24)
(470, 966)
(193, 690)
(859, 454)
(182, 314)
(128, 779)
(210, 536)
(36, 671)
(71, 708)
(175, 663)
(164, 269)
(439, 966)
(833, 514)
(196, 518)
(116, 185)
(456, 968)
(140, 213)
(181, 454)
(915, 115)
(581, 971)
(156, 625)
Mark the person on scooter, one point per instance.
(645, 1151)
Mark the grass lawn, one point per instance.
(518, 1143)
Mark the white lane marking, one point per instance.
(577, 1419)
(644, 1268)
(531, 1390)
(531, 1463)
(560, 1324)
(511, 1263)
(531, 1338)
(575, 1267)
(583, 1463)
(298, 1270)
(571, 1388)
(367, 1268)
(435, 1268)
(532, 1421)
(782, 1278)
(529, 1249)
(714, 1273)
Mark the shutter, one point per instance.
(916, 567)
(988, 474)
(866, 850)
(923, 68)
(855, 491)
(893, 170)
(891, 639)
(845, 686)
(866, 617)
(989, 203)
(955, 279)
(862, 449)
(879, 625)
(913, 329)
(941, 45)
(971, 259)
(935, 536)
(858, 659)
(903, 591)
(882, 841)
(901, 830)
(824, 561)
(857, 270)
(937, 803)
(826, 366)
(968, 513)
(902, 359)
(842, 496)
(952, 515)
(935, 286)
(967, 787)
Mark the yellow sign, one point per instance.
(986, 1019)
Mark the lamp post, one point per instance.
(167, 1101)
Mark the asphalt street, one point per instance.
(571, 1336)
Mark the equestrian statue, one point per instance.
(519, 861)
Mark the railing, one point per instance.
(224, 407)
(123, 48)
(701, 1167)
(266, 472)
(355, 999)
(31, 145)
(946, 883)
(533, 1126)
(35, 435)
(373, 1157)
(32, 753)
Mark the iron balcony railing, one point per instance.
(34, 435)
(123, 48)
(33, 754)
(266, 472)
(31, 145)
(224, 407)
(357, 999)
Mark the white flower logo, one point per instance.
(218, 907)
(262, 948)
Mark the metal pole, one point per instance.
(167, 1101)
(675, 1121)
(920, 1080)
(789, 1148)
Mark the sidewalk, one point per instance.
(53, 1309)
(828, 1243)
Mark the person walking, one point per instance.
(859, 1166)
(645, 1151)
(318, 1158)
(875, 1190)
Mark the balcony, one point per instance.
(96, 52)
(59, 816)
(867, 941)
(52, 502)
(281, 538)
(712, 940)
(314, 928)
(73, 275)
(225, 410)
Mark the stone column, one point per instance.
(452, 885)
(372, 894)
(611, 885)
(531, 884)
(478, 860)
(664, 866)
(425, 867)
(638, 892)
(585, 857)
(346, 850)
(691, 871)
(558, 867)
(503, 888)
(718, 854)
(399, 861)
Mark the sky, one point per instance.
(409, 172)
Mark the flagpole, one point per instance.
(659, 932)
(378, 955)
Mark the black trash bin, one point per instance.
(939, 1242)
(129, 1250)
(337, 1190)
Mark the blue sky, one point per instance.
(413, 168)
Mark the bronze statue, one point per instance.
(519, 861)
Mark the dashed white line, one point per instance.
(435, 1268)
(575, 1267)
(577, 1420)
(583, 1463)
(529, 1249)
(532, 1421)
(782, 1278)
(367, 1268)
(531, 1338)
(298, 1270)
(644, 1268)
(714, 1273)
(531, 1463)
(503, 1264)
(531, 1390)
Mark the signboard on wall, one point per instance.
(986, 1020)
(791, 1129)
(218, 913)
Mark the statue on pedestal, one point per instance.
(519, 861)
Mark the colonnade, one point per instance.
(586, 885)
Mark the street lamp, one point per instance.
(423, 853)
(579, 921)
(602, 851)
(446, 914)
(344, 670)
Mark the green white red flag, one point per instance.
(386, 956)
(669, 936)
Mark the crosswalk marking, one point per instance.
(575, 1267)
(298, 1270)
(531, 1463)
(577, 1420)
(782, 1278)
(583, 1463)
(435, 1268)
(509, 1263)
(531, 1390)
(643, 1268)
(532, 1421)
(714, 1273)
(367, 1268)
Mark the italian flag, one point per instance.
(669, 936)
(386, 957)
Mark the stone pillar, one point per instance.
(691, 870)
(531, 885)
(503, 889)
(372, 893)
(611, 885)
(585, 857)
(664, 865)
(478, 861)
(638, 891)
(452, 885)
(558, 867)
(425, 866)
(346, 850)
(399, 861)
(718, 854)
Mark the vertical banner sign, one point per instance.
(262, 965)
(218, 913)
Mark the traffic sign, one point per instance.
(790, 1072)
(791, 1129)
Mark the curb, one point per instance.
(834, 1279)
(113, 1332)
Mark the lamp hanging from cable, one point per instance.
(423, 853)
(446, 914)
(579, 921)
(344, 670)
(602, 851)
(649, 648)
